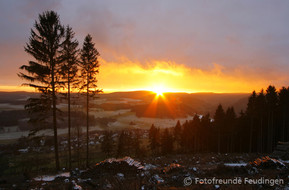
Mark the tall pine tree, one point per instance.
(69, 73)
(89, 69)
(44, 45)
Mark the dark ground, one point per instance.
(166, 172)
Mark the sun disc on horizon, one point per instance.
(159, 90)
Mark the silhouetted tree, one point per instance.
(124, 146)
(242, 131)
(69, 73)
(195, 125)
(107, 143)
(251, 112)
(186, 137)
(206, 132)
(89, 69)
(44, 45)
(261, 111)
(154, 137)
(178, 134)
(271, 99)
(230, 124)
(166, 142)
(284, 108)
(219, 123)
(136, 144)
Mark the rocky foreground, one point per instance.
(199, 171)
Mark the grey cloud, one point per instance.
(231, 33)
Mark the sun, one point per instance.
(159, 90)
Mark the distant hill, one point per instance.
(173, 104)
(15, 98)
(184, 103)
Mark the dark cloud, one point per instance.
(252, 35)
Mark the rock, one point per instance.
(149, 167)
(120, 175)
(157, 179)
(267, 162)
(281, 151)
(171, 167)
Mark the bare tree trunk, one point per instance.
(78, 145)
(54, 119)
(269, 135)
(261, 136)
(87, 123)
(69, 125)
(219, 141)
(283, 128)
(251, 136)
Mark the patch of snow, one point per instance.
(128, 160)
(52, 177)
(65, 174)
(285, 161)
(64, 142)
(45, 178)
(25, 150)
(7, 106)
(158, 179)
(235, 164)
(149, 166)
(120, 175)
(76, 187)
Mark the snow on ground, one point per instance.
(121, 101)
(145, 122)
(285, 161)
(235, 164)
(51, 177)
(13, 135)
(101, 114)
(8, 107)
(132, 100)
(46, 132)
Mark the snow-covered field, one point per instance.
(124, 119)
(8, 107)
(98, 113)
(46, 132)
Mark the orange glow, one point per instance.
(158, 104)
(127, 75)
(167, 76)
(16, 88)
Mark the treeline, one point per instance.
(123, 143)
(257, 129)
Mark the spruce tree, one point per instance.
(44, 45)
(107, 143)
(89, 69)
(219, 122)
(69, 74)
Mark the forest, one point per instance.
(257, 129)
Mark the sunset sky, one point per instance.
(186, 45)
